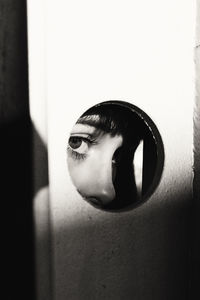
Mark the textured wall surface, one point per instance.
(135, 52)
(95, 52)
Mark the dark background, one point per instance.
(16, 137)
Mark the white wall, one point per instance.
(140, 52)
(38, 112)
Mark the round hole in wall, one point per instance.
(115, 156)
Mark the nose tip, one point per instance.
(101, 191)
(106, 195)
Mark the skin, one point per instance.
(92, 163)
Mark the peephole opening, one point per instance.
(115, 156)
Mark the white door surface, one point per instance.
(86, 52)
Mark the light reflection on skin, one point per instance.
(92, 163)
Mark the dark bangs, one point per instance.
(113, 119)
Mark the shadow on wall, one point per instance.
(16, 155)
(41, 211)
(40, 162)
(195, 223)
(16, 209)
(24, 172)
(143, 254)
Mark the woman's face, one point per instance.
(92, 161)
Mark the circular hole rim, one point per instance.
(159, 152)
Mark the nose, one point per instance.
(101, 190)
(94, 175)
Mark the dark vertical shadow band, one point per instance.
(15, 132)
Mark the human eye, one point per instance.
(78, 146)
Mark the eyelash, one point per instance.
(76, 155)
(80, 156)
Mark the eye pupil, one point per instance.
(75, 142)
